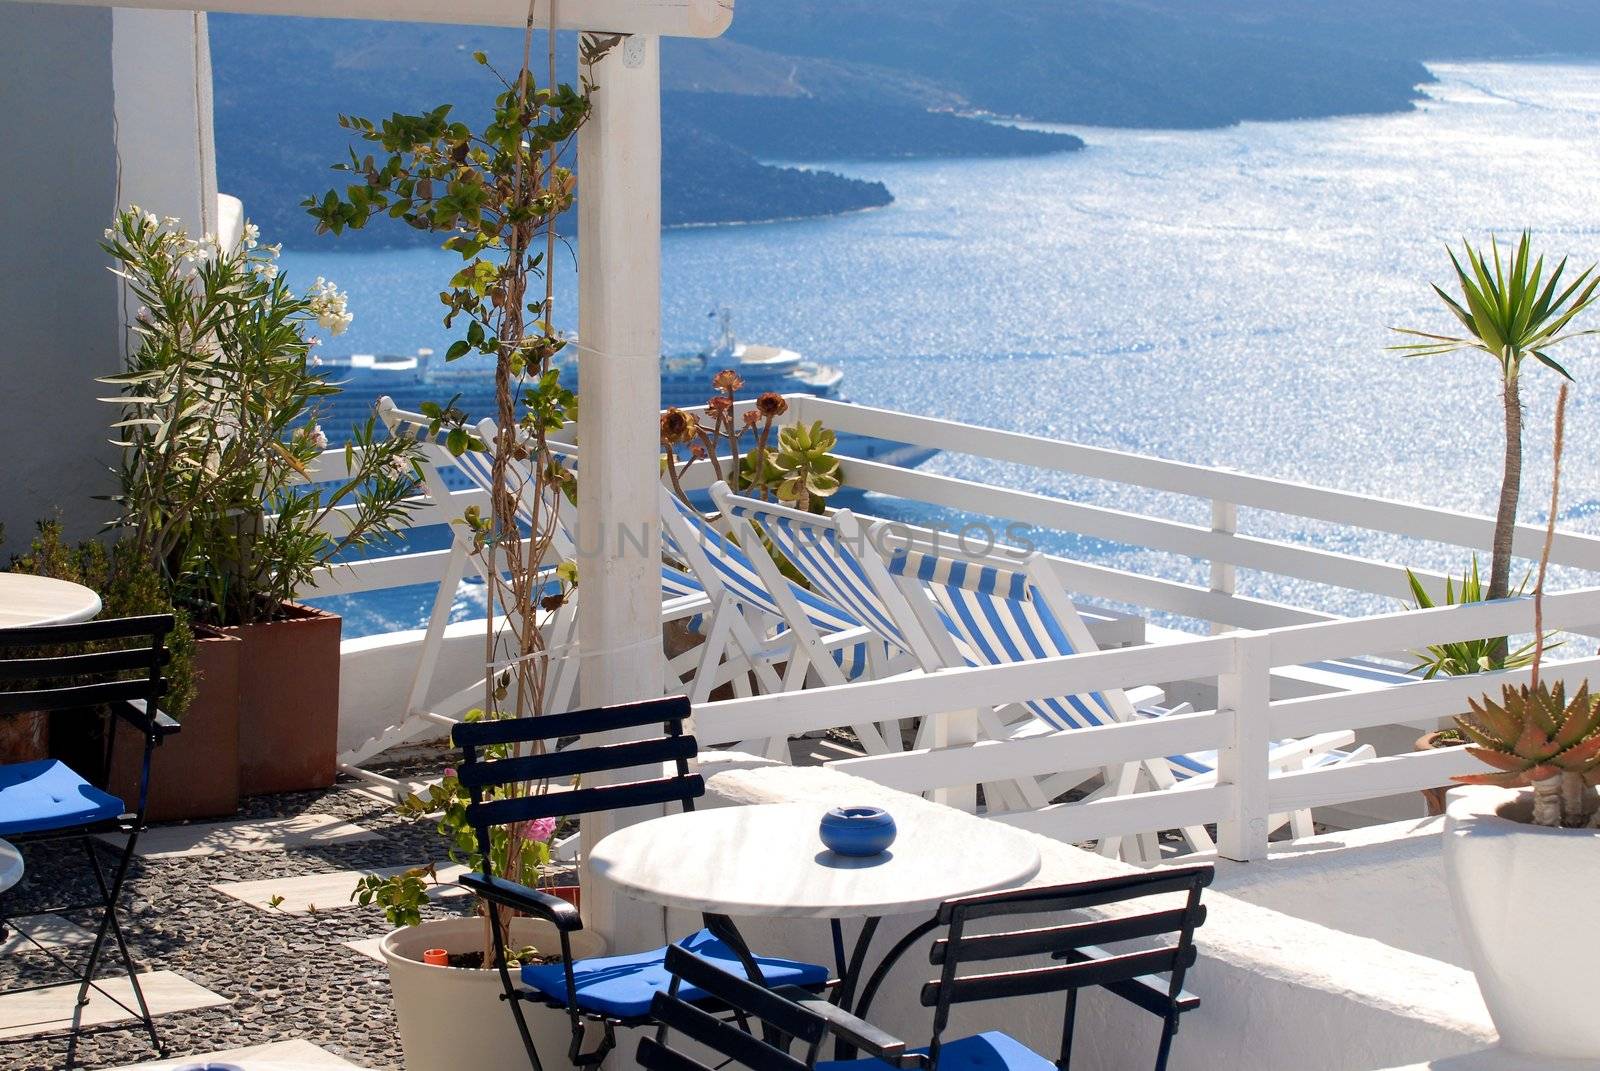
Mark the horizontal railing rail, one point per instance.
(1343, 508)
(1247, 790)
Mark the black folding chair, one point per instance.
(787, 1017)
(46, 800)
(610, 991)
(1147, 977)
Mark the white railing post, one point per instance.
(1242, 697)
(1224, 521)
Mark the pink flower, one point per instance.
(538, 829)
(449, 771)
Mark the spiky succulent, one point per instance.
(1533, 734)
(1535, 737)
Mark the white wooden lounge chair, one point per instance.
(427, 712)
(954, 610)
(995, 609)
(752, 604)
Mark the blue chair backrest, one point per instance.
(496, 754)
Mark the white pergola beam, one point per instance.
(660, 18)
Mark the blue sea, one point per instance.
(1220, 297)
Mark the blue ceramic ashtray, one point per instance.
(857, 830)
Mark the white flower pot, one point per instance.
(452, 1018)
(1524, 896)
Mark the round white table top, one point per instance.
(768, 859)
(10, 865)
(40, 600)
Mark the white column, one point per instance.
(161, 70)
(619, 387)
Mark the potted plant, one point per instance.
(187, 780)
(449, 1006)
(1457, 659)
(1511, 311)
(494, 195)
(220, 437)
(1522, 850)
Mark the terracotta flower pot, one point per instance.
(452, 1017)
(572, 894)
(1434, 797)
(24, 736)
(195, 772)
(288, 701)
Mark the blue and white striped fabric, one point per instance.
(740, 576)
(833, 569)
(478, 466)
(1199, 763)
(997, 617)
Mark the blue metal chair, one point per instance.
(610, 991)
(787, 1017)
(1149, 976)
(46, 800)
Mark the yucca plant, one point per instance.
(1463, 656)
(1511, 310)
(1534, 737)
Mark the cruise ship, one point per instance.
(685, 381)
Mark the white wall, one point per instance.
(97, 107)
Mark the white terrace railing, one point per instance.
(1268, 636)
(1241, 728)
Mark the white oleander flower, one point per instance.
(318, 437)
(267, 270)
(149, 223)
(252, 235)
(330, 305)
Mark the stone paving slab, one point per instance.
(328, 891)
(367, 946)
(294, 1055)
(50, 1009)
(272, 834)
(51, 931)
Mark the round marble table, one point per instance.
(26, 601)
(768, 860)
(10, 865)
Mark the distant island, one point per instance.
(817, 81)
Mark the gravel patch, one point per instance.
(287, 976)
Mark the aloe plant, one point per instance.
(1535, 737)
(1511, 310)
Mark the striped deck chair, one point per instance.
(829, 553)
(984, 610)
(750, 621)
(683, 598)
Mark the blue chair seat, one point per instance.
(48, 794)
(991, 1051)
(623, 986)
